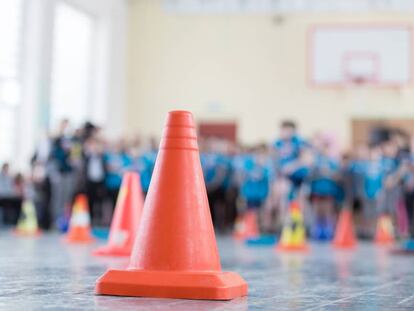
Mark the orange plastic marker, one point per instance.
(175, 253)
(246, 226)
(80, 223)
(344, 234)
(126, 218)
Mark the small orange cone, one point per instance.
(246, 226)
(344, 234)
(126, 218)
(384, 234)
(175, 253)
(79, 225)
(293, 238)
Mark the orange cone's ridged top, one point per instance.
(166, 241)
(344, 235)
(125, 221)
(175, 253)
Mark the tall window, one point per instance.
(71, 65)
(10, 51)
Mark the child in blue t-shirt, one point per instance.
(237, 167)
(324, 191)
(289, 150)
(356, 170)
(289, 145)
(146, 163)
(209, 162)
(373, 185)
(324, 179)
(216, 169)
(374, 172)
(256, 179)
(392, 191)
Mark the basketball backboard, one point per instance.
(343, 55)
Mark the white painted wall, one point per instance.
(245, 67)
(108, 87)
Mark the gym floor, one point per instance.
(45, 273)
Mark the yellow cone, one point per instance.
(27, 223)
(293, 236)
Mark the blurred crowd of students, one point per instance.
(77, 161)
(375, 179)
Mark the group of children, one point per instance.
(376, 179)
(83, 161)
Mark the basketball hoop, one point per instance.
(363, 82)
(356, 88)
(360, 68)
(358, 81)
(364, 57)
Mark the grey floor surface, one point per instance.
(46, 274)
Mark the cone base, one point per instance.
(384, 242)
(112, 251)
(210, 285)
(72, 241)
(24, 233)
(344, 245)
(293, 248)
(80, 235)
(79, 240)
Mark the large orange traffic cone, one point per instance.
(384, 234)
(246, 226)
(344, 234)
(293, 236)
(175, 253)
(126, 218)
(80, 222)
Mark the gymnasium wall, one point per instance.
(243, 67)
